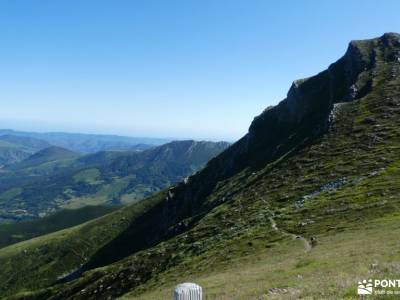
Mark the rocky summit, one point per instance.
(305, 205)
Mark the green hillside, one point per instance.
(21, 231)
(303, 206)
(56, 178)
(14, 148)
(44, 156)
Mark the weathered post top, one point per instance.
(188, 291)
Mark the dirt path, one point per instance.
(306, 243)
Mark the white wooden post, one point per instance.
(188, 291)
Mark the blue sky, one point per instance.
(199, 69)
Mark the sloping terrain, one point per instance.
(44, 156)
(14, 148)
(304, 205)
(11, 233)
(56, 178)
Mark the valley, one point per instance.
(56, 178)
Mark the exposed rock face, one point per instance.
(306, 109)
(310, 100)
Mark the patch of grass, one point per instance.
(105, 195)
(90, 176)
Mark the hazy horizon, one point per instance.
(200, 70)
(111, 133)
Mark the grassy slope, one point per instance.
(11, 233)
(321, 273)
(40, 261)
(357, 241)
(43, 157)
(362, 155)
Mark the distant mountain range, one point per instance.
(88, 143)
(55, 178)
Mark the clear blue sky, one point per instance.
(187, 68)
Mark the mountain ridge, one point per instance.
(14, 149)
(45, 155)
(89, 143)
